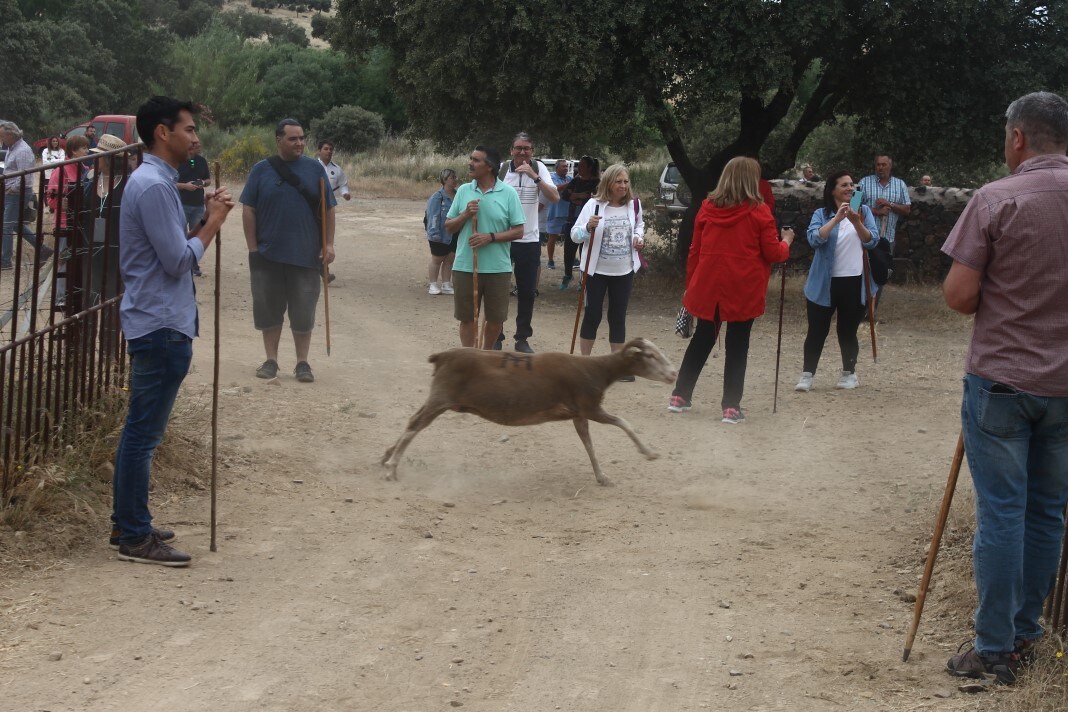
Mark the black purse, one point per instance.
(881, 261)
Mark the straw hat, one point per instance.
(107, 142)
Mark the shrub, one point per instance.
(248, 146)
(350, 128)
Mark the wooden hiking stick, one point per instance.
(871, 306)
(936, 541)
(215, 378)
(326, 268)
(778, 343)
(474, 284)
(582, 282)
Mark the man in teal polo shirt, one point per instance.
(500, 218)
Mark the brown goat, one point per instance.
(527, 389)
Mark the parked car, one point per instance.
(674, 197)
(550, 163)
(122, 125)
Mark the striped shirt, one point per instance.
(895, 192)
(1013, 232)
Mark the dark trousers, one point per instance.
(526, 258)
(734, 363)
(617, 287)
(845, 299)
(570, 250)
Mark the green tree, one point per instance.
(911, 72)
(350, 128)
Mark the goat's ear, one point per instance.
(633, 350)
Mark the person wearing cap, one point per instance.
(193, 175)
(286, 251)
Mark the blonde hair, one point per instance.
(604, 188)
(739, 183)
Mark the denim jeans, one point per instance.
(11, 218)
(1017, 447)
(159, 363)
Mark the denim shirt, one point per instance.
(436, 210)
(156, 257)
(818, 286)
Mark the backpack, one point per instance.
(506, 166)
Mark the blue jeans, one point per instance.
(159, 364)
(11, 218)
(1017, 447)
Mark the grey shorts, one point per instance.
(278, 287)
(493, 293)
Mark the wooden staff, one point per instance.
(582, 282)
(326, 268)
(871, 306)
(778, 343)
(474, 284)
(215, 378)
(936, 541)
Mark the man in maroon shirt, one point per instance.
(1010, 269)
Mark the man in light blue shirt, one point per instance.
(888, 198)
(158, 313)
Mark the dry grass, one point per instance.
(65, 504)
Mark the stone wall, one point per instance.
(917, 248)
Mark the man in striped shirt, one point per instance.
(888, 198)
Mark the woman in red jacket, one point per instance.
(734, 245)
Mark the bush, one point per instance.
(249, 146)
(350, 128)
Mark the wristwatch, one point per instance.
(493, 237)
(537, 180)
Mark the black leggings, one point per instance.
(734, 363)
(845, 299)
(618, 289)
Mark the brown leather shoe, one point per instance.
(151, 550)
(165, 535)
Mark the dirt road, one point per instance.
(751, 567)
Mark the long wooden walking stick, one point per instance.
(936, 541)
(582, 282)
(778, 343)
(326, 268)
(871, 306)
(474, 284)
(215, 378)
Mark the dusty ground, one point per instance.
(751, 567)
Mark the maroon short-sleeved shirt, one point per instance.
(1014, 232)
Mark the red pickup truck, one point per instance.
(122, 125)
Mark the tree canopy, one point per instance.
(920, 79)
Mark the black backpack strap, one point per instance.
(286, 174)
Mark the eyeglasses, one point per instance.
(523, 149)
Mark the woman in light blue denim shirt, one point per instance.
(442, 244)
(835, 283)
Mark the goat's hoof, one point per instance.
(605, 482)
(391, 476)
(652, 455)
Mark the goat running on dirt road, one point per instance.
(526, 389)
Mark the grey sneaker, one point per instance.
(269, 369)
(165, 535)
(848, 380)
(805, 384)
(523, 347)
(1001, 669)
(303, 372)
(151, 550)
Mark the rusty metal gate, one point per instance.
(61, 345)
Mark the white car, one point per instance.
(674, 197)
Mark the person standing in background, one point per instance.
(193, 175)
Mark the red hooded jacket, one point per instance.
(730, 261)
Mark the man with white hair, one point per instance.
(17, 191)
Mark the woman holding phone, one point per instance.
(839, 233)
(734, 245)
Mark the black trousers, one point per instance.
(734, 364)
(845, 299)
(618, 288)
(526, 259)
(570, 250)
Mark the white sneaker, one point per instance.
(805, 384)
(435, 288)
(446, 288)
(848, 380)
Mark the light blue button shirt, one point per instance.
(156, 257)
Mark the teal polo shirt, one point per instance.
(499, 210)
